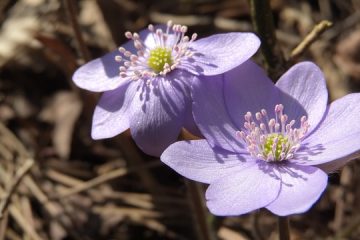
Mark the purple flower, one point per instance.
(147, 88)
(267, 145)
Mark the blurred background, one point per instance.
(83, 189)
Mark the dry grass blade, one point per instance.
(20, 174)
(3, 225)
(16, 144)
(105, 178)
(23, 223)
(81, 189)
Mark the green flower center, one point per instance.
(275, 145)
(158, 58)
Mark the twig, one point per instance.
(284, 230)
(25, 168)
(70, 10)
(263, 22)
(310, 38)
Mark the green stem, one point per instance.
(263, 23)
(284, 230)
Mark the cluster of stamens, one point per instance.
(171, 47)
(273, 139)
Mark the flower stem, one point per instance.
(202, 218)
(284, 230)
(263, 23)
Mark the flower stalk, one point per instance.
(284, 230)
(204, 229)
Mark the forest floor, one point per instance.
(82, 189)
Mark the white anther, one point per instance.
(136, 36)
(151, 27)
(183, 29)
(138, 44)
(136, 65)
(284, 138)
(258, 116)
(128, 35)
(248, 116)
(194, 36)
(279, 108)
(118, 58)
(159, 31)
(271, 122)
(133, 58)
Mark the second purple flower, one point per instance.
(267, 145)
(147, 81)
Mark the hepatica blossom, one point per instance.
(267, 145)
(147, 81)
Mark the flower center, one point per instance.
(158, 58)
(272, 140)
(275, 142)
(168, 49)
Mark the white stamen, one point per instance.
(275, 139)
(135, 65)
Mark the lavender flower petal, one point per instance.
(198, 161)
(111, 116)
(337, 139)
(301, 187)
(241, 192)
(335, 165)
(210, 114)
(221, 52)
(247, 88)
(158, 111)
(278, 175)
(305, 83)
(102, 74)
(190, 125)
